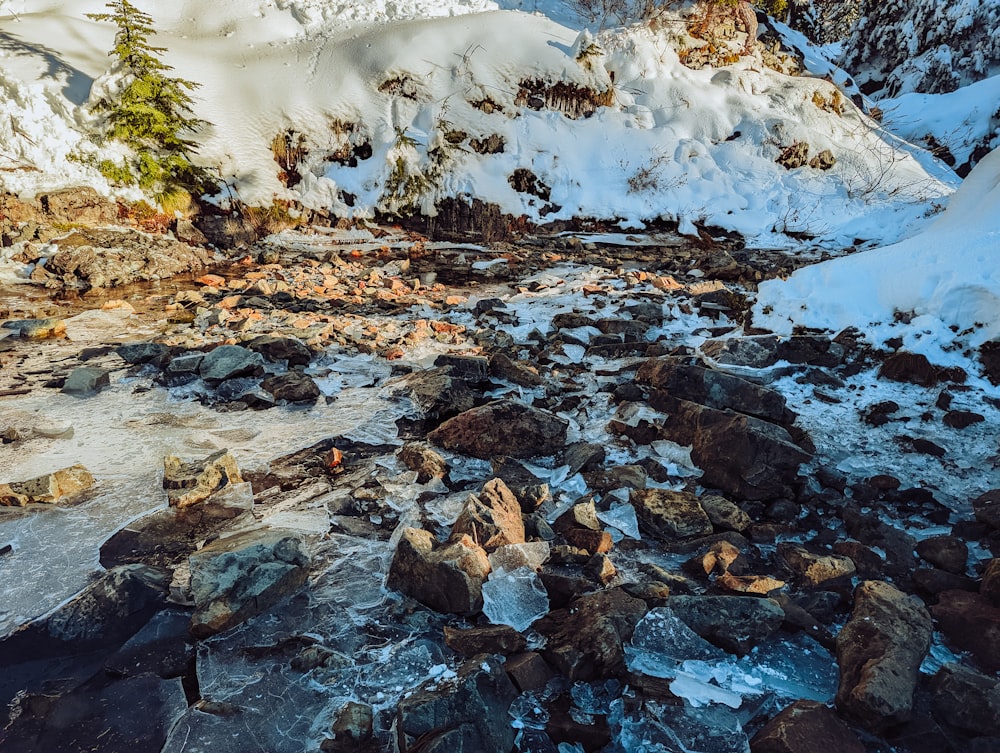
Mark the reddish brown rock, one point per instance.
(447, 578)
(990, 587)
(806, 727)
(529, 671)
(971, 623)
(879, 651)
(669, 514)
(488, 639)
(492, 519)
(947, 552)
(594, 542)
(504, 428)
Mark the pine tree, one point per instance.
(151, 112)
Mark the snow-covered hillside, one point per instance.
(384, 116)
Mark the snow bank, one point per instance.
(933, 289)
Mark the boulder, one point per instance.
(669, 514)
(36, 329)
(50, 487)
(964, 698)
(502, 367)
(986, 508)
(504, 428)
(80, 205)
(806, 727)
(585, 640)
(241, 576)
(288, 349)
(724, 514)
(879, 651)
(756, 352)
(493, 518)
(971, 623)
(190, 482)
(815, 569)
(86, 380)
(446, 578)
(989, 357)
(437, 394)
(229, 361)
(733, 623)
(139, 353)
(740, 455)
(424, 459)
(467, 714)
(714, 389)
(910, 367)
(947, 552)
(293, 387)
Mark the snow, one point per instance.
(676, 143)
(933, 289)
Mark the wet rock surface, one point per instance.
(574, 503)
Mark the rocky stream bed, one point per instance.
(359, 491)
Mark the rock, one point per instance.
(806, 727)
(102, 257)
(794, 156)
(971, 623)
(931, 580)
(761, 585)
(898, 545)
(190, 482)
(162, 646)
(879, 651)
(584, 514)
(986, 508)
(448, 578)
(502, 428)
(823, 161)
(962, 419)
(36, 329)
(467, 368)
(493, 518)
(585, 640)
(669, 514)
(186, 232)
(815, 569)
(528, 671)
(10, 498)
(138, 353)
(241, 576)
(947, 552)
(583, 456)
(517, 372)
(724, 514)
(733, 623)
(230, 361)
(288, 349)
(488, 639)
(592, 542)
(989, 357)
(87, 380)
(741, 455)
(424, 459)
(438, 394)
(54, 486)
(990, 587)
(867, 562)
(714, 389)
(910, 367)
(353, 728)
(78, 206)
(467, 714)
(293, 387)
(717, 559)
(964, 698)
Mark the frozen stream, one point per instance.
(121, 437)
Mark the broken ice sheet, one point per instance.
(661, 641)
(527, 711)
(709, 730)
(515, 598)
(512, 556)
(621, 517)
(795, 668)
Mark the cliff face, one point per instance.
(930, 46)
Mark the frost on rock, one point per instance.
(621, 517)
(516, 598)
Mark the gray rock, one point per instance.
(186, 364)
(437, 393)
(879, 651)
(87, 380)
(446, 578)
(229, 361)
(466, 714)
(36, 329)
(136, 353)
(947, 552)
(293, 352)
(239, 577)
(754, 352)
(502, 428)
(724, 514)
(733, 623)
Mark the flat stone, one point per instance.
(36, 329)
(504, 428)
(54, 486)
(488, 639)
(733, 623)
(724, 514)
(292, 387)
(87, 380)
(669, 514)
(229, 361)
(138, 353)
(879, 651)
